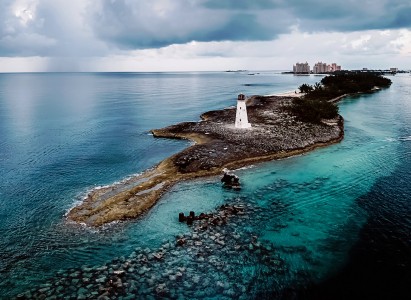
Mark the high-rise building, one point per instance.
(335, 67)
(301, 68)
(321, 67)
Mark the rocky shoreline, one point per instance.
(274, 134)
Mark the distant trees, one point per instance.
(305, 88)
(313, 111)
(317, 86)
(315, 105)
(354, 82)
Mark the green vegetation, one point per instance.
(309, 110)
(315, 105)
(305, 88)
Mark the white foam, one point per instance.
(245, 168)
(406, 138)
(82, 196)
(389, 139)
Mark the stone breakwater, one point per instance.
(217, 257)
(274, 134)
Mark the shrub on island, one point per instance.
(313, 110)
(315, 105)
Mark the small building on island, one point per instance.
(241, 118)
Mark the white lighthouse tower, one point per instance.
(241, 119)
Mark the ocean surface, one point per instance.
(338, 218)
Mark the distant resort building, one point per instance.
(388, 71)
(301, 68)
(319, 68)
(335, 67)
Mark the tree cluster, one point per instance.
(315, 105)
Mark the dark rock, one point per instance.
(181, 242)
(181, 217)
(162, 290)
(190, 220)
(104, 296)
(20, 296)
(158, 256)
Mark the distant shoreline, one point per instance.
(274, 135)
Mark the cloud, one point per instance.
(158, 23)
(19, 29)
(46, 28)
(27, 44)
(242, 4)
(65, 31)
(373, 49)
(351, 15)
(352, 50)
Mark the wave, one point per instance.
(406, 138)
(82, 196)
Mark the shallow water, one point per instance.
(63, 134)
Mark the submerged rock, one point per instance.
(209, 262)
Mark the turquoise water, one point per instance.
(64, 134)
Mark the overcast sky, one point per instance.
(181, 35)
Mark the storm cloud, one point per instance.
(46, 27)
(103, 28)
(158, 23)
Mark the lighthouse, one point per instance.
(241, 119)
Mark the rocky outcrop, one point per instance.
(274, 134)
(220, 143)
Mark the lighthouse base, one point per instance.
(242, 125)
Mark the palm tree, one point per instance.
(318, 86)
(305, 88)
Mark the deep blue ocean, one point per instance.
(338, 217)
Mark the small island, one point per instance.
(282, 126)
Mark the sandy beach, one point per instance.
(293, 94)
